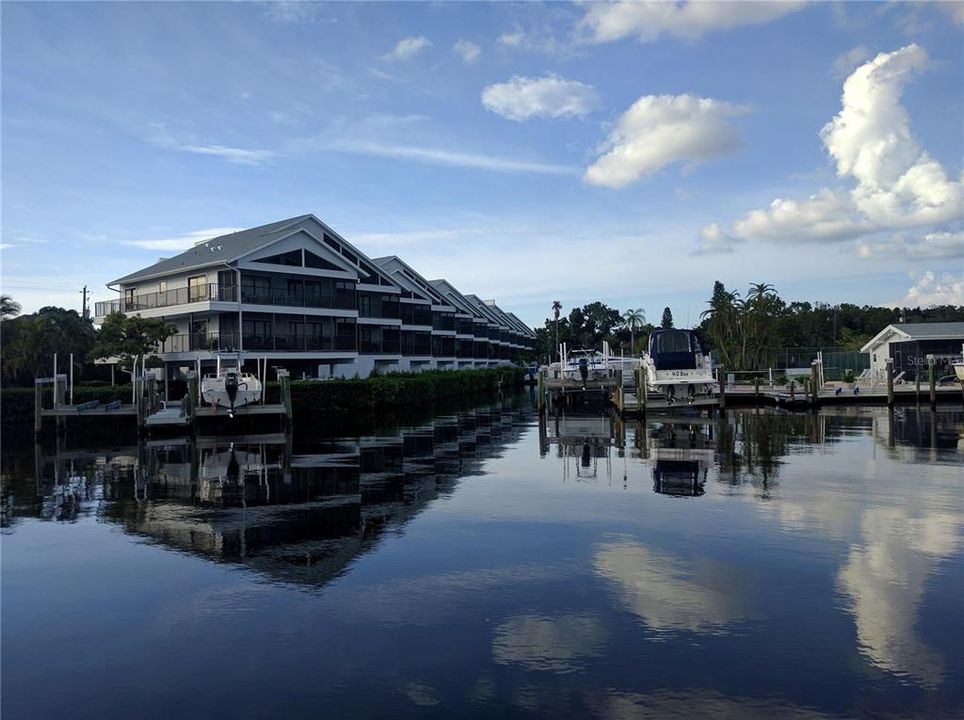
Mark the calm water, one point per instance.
(484, 566)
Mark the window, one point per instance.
(197, 288)
(314, 261)
(162, 286)
(292, 258)
(129, 297)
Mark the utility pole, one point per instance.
(84, 313)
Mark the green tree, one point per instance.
(8, 307)
(633, 320)
(556, 307)
(130, 336)
(667, 322)
(30, 341)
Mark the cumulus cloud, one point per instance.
(847, 62)
(551, 96)
(943, 244)
(932, 289)
(647, 21)
(658, 130)
(408, 48)
(468, 51)
(713, 241)
(896, 185)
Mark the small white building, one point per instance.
(909, 344)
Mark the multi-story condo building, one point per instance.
(298, 293)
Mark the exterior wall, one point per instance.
(277, 326)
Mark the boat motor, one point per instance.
(584, 369)
(671, 394)
(231, 387)
(691, 393)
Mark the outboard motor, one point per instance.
(231, 387)
(584, 369)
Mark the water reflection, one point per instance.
(299, 516)
(670, 593)
(673, 567)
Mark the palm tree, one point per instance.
(8, 307)
(633, 319)
(556, 307)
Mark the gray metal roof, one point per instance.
(216, 251)
(932, 330)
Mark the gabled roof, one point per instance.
(216, 251)
(406, 277)
(525, 328)
(454, 297)
(918, 331)
(485, 310)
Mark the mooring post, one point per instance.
(643, 399)
(890, 382)
(814, 383)
(722, 378)
(37, 405)
(933, 379)
(540, 390)
(917, 371)
(793, 389)
(756, 392)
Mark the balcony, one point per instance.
(339, 299)
(168, 298)
(228, 342)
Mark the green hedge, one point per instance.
(396, 390)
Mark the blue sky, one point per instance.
(627, 153)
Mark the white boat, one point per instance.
(959, 368)
(230, 388)
(676, 368)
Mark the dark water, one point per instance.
(481, 566)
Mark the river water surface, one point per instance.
(481, 565)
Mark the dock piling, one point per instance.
(721, 374)
(931, 370)
(890, 382)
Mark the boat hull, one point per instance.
(231, 390)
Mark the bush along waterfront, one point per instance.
(393, 391)
(316, 401)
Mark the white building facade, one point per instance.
(297, 293)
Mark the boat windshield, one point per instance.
(678, 341)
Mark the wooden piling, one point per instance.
(932, 373)
(722, 378)
(756, 392)
(540, 392)
(890, 382)
(814, 383)
(38, 406)
(917, 384)
(643, 398)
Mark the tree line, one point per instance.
(744, 331)
(28, 342)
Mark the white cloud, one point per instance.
(436, 156)
(290, 11)
(658, 130)
(896, 184)
(713, 241)
(847, 62)
(647, 21)
(468, 51)
(511, 39)
(243, 156)
(826, 216)
(943, 244)
(551, 96)
(7, 246)
(180, 242)
(408, 48)
(932, 289)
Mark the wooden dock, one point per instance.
(150, 412)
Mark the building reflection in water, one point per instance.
(300, 515)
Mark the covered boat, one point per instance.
(676, 368)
